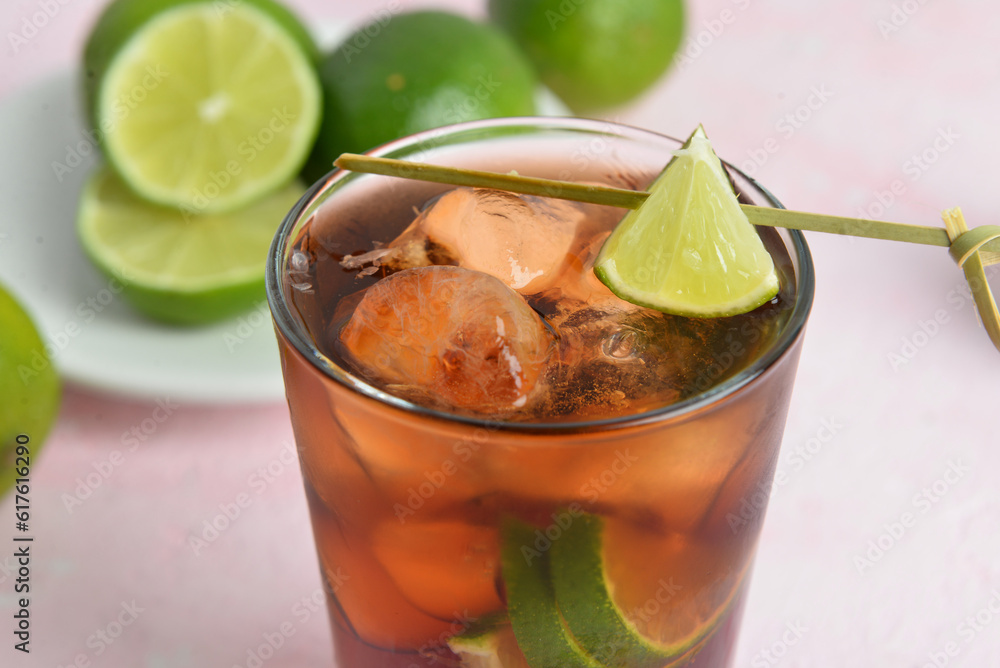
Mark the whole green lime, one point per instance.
(412, 72)
(29, 386)
(595, 54)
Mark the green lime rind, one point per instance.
(531, 603)
(416, 71)
(596, 622)
(597, 54)
(481, 645)
(480, 633)
(121, 19)
(193, 308)
(174, 266)
(29, 385)
(689, 249)
(488, 643)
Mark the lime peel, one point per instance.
(531, 604)
(173, 266)
(488, 643)
(595, 620)
(689, 249)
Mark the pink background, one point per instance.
(879, 436)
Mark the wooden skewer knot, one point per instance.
(966, 248)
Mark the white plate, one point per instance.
(96, 338)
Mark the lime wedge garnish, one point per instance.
(174, 266)
(689, 249)
(203, 105)
(585, 601)
(531, 603)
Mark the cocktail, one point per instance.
(505, 463)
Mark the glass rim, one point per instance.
(295, 335)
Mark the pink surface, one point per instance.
(827, 106)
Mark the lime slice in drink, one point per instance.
(488, 643)
(203, 105)
(540, 630)
(586, 602)
(689, 249)
(177, 267)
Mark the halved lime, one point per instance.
(174, 266)
(689, 249)
(203, 105)
(586, 602)
(540, 630)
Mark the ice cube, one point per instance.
(522, 240)
(449, 336)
